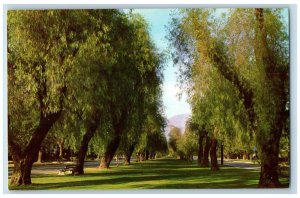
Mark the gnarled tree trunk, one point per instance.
(127, 158)
(269, 164)
(213, 155)
(118, 123)
(22, 172)
(24, 159)
(141, 156)
(110, 151)
(90, 131)
(276, 77)
(128, 154)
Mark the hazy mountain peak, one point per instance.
(177, 121)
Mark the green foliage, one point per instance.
(174, 138)
(105, 59)
(41, 50)
(152, 135)
(145, 122)
(228, 64)
(188, 144)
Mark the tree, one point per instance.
(92, 73)
(80, 64)
(258, 72)
(138, 63)
(174, 137)
(41, 48)
(188, 144)
(146, 134)
(200, 132)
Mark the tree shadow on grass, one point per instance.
(174, 181)
(159, 174)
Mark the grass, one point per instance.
(153, 174)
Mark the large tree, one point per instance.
(92, 73)
(80, 64)
(253, 57)
(147, 125)
(42, 46)
(138, 70)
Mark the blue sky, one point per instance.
(158, 19)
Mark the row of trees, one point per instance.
(235, 69)
(197, 141)
(78, 74)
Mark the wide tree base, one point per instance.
(126, 162)
(78, 171)
(269, 184)
(18, 181)
(103, 166)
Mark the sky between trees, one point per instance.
(158, 19)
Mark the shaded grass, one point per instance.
(153, 174)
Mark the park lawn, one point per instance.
(152, 174)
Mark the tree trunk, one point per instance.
(213, 155)
(152, 155)
(146, 155)
(128, 154)
(181, 157)
(206, 152)
(137, 157)
(118, 123)
(23, 159)
(222, 154)
(39, 160)
(276, 77)
(91, 129)
(269, 163)
(142, 156)
(22, 172)
(61, 148)
(110, 151)
(127, 158)
(245, 155)
(200, 149)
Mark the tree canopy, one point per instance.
(236, 66)
(76, 72)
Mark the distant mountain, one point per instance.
(177, 121)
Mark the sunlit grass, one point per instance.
(153, 174)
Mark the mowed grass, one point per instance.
(152, 174)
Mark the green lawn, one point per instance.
(153, 174)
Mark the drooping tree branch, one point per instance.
(222, 63)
